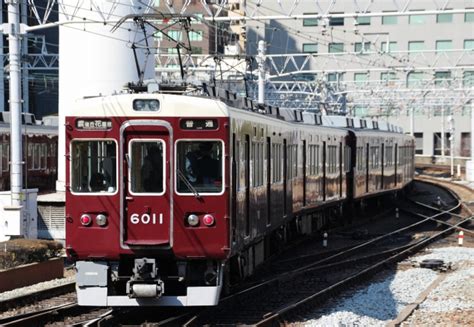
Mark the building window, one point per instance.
(444, 18)
(414, 79)
(310, 21)
(437, 144)
(310, 47)
(468, 44)
(172, 51)
(334, 77)
(336, 21)
(389, 76)
(416, 19)
(389, 47)
(443, 45)
(363, 20)
(465, 144)
(468, 79)
(196, 18)
(159, 36)
(442, 78)
(418, 143)
(336, 47)
(195, 36)
(175, 35)
(196, 50)
(360, 77)
(416, 46)
(469, 16)
(362, 47)
(389, 20)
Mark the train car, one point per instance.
(381, 156)
(40, 141)
(170, 197)
(173, 236)
(384, 160)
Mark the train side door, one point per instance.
(147, 188)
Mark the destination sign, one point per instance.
(93, 124)
(199, 124)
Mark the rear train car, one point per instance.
(40, 141)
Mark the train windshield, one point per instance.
(93, 166)
(199, 167)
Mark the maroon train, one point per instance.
(40, 142)
(169, 198)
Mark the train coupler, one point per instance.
(145, 281)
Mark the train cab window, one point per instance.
(199, 167)
(147, 169)
(93, 166)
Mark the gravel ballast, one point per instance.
(35, 288)
(382, 301)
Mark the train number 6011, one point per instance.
(146, 219)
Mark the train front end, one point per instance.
(147, 199)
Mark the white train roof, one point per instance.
(171, 105)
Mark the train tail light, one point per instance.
(86, 220)
(101, 220)
(193, 220)
(208, 220)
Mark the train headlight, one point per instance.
(86, 220)
(208, 220)
(139, 105)
(193, 220)
(101, 220)
(154, 105)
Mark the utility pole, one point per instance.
(16, 147)
(443, 159)
(261, 71)
(451, 142)
(470, 164)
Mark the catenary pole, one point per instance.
(261, 71)
(16, 146)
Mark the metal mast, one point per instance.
(261, 71)
(16, 146)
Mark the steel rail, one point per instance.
(329, 266)
(272, 317)
(42, 294)
(314, 266)
(34, 318)
(338, 255)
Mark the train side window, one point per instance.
(43, 162)
(6, 157)
(237, 164)
(347, 158)
(37, 156)
(88, 174)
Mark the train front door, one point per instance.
(146, 188)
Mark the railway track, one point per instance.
(308, 278)
(266, 308)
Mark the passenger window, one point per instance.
(89, 171)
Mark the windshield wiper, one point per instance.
(188, 184)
